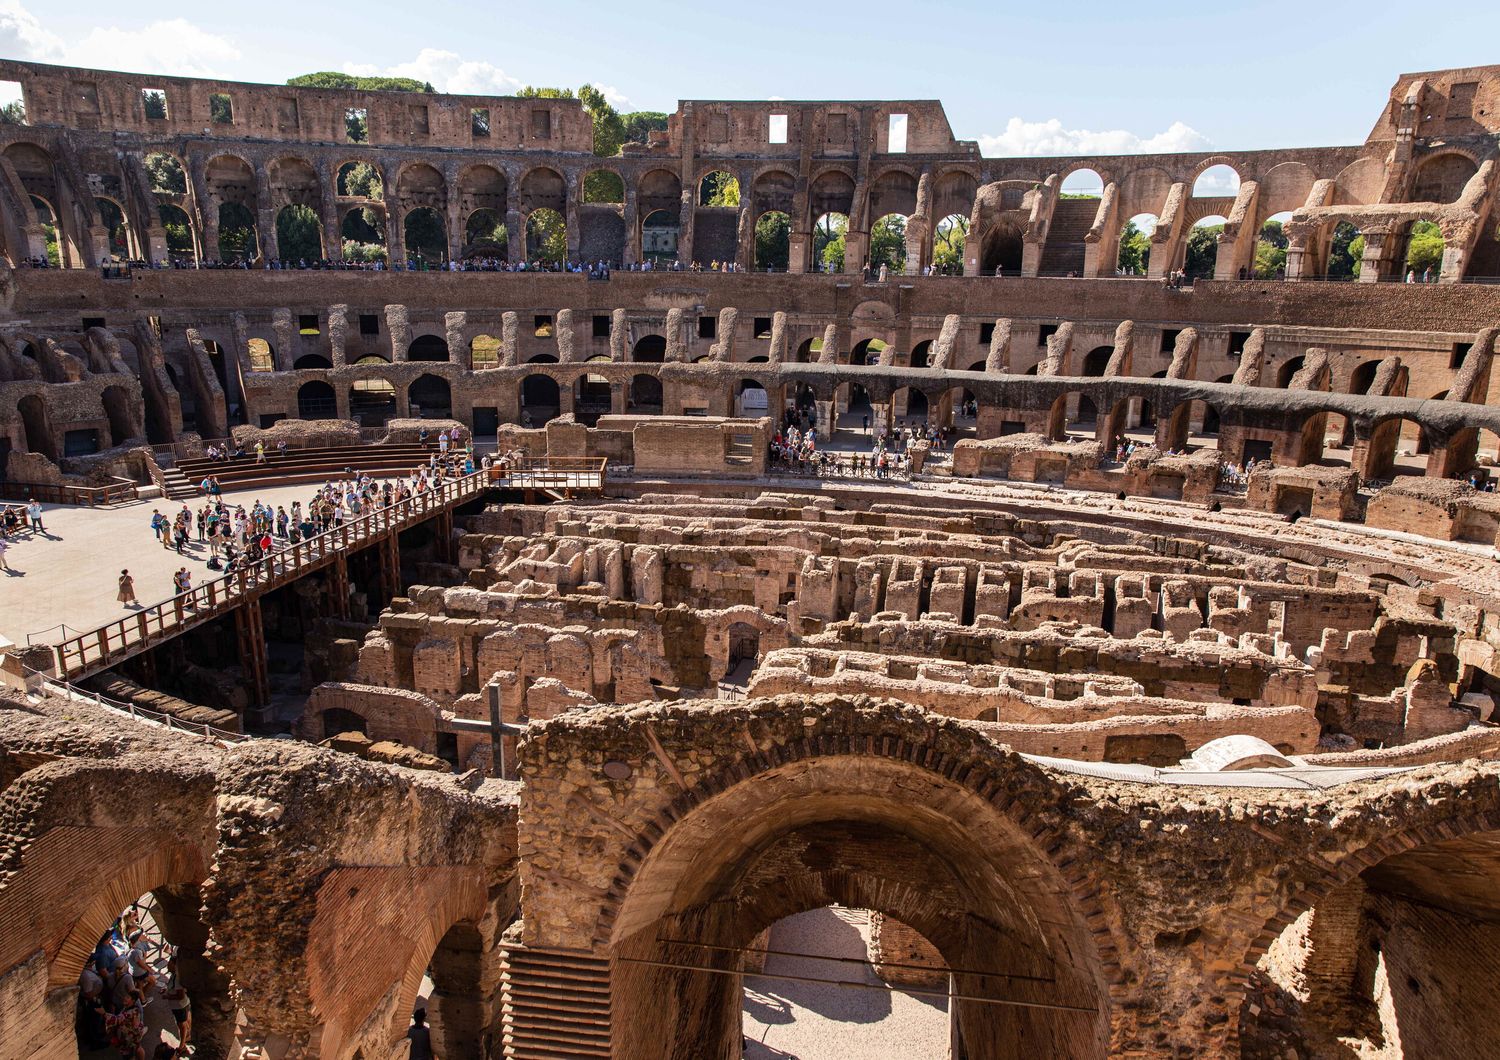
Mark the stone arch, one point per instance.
(428, 348)
(683, 862)
(1216, 177)
(1441, 177)
(543, 187)
(120, 410)
(294, 182)
(773, 190)
(36, 425)
(650, 349)
(431, 398)
(316, 401)
(419, 184)
(368, 180)
(482, 187)
(311, 360)
(541, 399)
(645, 395)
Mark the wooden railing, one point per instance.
(569, 474)
(88, 496)
(118, 640)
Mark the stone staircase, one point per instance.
(555, 1004)
(1071, 221)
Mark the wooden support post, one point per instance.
(338, 587)
(497, 737)
(251, 630)
(390, 566)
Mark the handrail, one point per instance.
(61, 493)
(115, 640)
(151, 717)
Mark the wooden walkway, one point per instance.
(108, 645)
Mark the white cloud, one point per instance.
(173, 46)
(1030, 138)
(447, 72)
(617, 99)
(23, 36)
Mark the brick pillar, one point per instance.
(1333, 939)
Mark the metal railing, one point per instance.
(89, 496)
(567, 473)
(62, 687)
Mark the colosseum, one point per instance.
(727, 622)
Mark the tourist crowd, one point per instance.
(128, 973)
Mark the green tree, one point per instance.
(532, 92)
(948, 245)
(356, 125)
(236, 232)
(166, 174)
(773, 238)
(220, 109)
(721, 189)
(155, 103)
(13, 113)
(178, 231)
(362, 181)
(1202, 252)
(425, 238)
(297, 235)
(1270, 250)
(1135, 250)
(640, 124)
(888, 243)
(1345, 251)
(828, 241)
(546, 236)
(352, 83)
(485, 228)
(1424, 250)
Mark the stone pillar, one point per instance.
(515, 235)
(628, 211)
(265, 218)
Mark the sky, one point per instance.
(1022, 79)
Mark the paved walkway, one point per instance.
(790, 1020)
(68, 575)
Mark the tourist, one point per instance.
(126, 595)
(34, 513)
(420, 1037)
(176, 997)
(4, 547)
(260, 452)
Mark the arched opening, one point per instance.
(867, 351)
(773, 233)
(1270, 247)
(921, 353)
(909, 407)
(315, 401)
(372, 401)
(427, 348)
(645, 395)
(809, 350)
(1423, 259)
(430, 398)
(540, 400)
(603, 187)
(154, 949)
(1097, 360)
(312, 360)
(718, 189)
(123, 422)
(1201, 255)
(262, 356)
(426, 240)
(117, 229)
(591, 398)
(1072, 417)
(1346, 249)
(546, 236)
(649, 349)
(485, 235)
(948, 242)
(37, 426)
(182, 241)
(360, 180)
(237, 239)
(848, 834)
(299, 235)
(828, 233)
(484, 351)
(1396, 447)
(1442, 177)
(1288, 371)
(888, 243)
(1134, 258)
(362, 235)
(1217, 181)
(1003, 248)
(337, 720)
(165, 174)
(48, 220)
(751, 399)
(1082, 184)
(659, 232)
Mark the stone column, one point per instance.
(265, 218)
